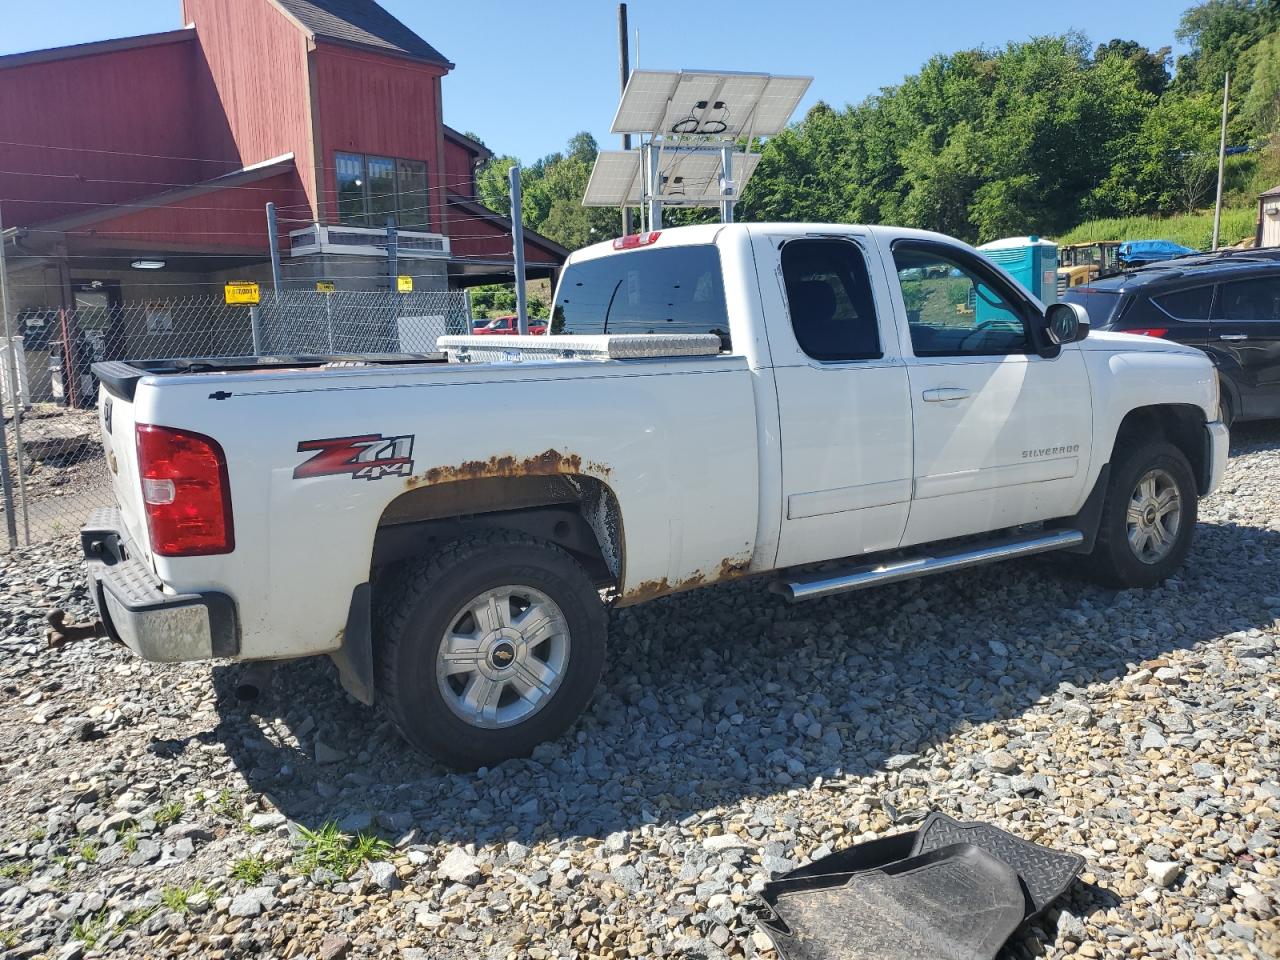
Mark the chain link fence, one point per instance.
(52, 472)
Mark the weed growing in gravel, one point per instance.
(134, 918)
(12, 871)
(130, 841)
(36, 834)
(90, 931)
(228, 806)
(170, 813)
(9, 939)
(175, 898)
(88, 851)
(330, 849)
(249, 870)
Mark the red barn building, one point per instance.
(140, 168)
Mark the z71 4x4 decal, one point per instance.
(369, 457)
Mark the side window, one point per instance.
(829, 295)
(351, 188)
(1189, 304)
(955, 308)
(1249, 300)
(676, 290)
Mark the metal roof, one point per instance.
(246, 175)
(362, 23)
(467, 143)
(97, 47)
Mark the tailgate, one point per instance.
(116, 422)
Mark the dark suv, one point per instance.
(1228, 306)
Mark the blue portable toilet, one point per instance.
(1032, 261)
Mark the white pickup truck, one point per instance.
(715, 402)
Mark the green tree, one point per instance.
(492, 187)
(1151, 66)
(1218, 32)
(1175, 154)
(552, 189)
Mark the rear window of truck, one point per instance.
(676, 290)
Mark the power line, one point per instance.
(239, 164)
(82, 178)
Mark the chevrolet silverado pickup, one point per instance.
(823, 407)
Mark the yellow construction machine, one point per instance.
(1082, 262)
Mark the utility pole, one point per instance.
(273, 240)
(1222, 159)
(16, 402)
(517, 249)
(624, 62)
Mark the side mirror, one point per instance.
(1066, 323)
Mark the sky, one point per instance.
(530, 75)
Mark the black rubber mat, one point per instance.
(1045, 873)
(957, 902)
(863, 856)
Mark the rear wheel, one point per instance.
(1148, 517)
(489, 648)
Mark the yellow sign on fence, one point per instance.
(241, 292)
(404, 284)
(325, 286)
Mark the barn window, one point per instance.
(351, 189)
(370, 189)
(411, 191)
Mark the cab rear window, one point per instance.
(1099, 304)
(676, 290)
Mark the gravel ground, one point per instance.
(143, 813)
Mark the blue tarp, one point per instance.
(1150, 251)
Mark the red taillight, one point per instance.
(1149, 331)
(186, 492)
(633, 240)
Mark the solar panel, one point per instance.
(689, 176)
(707, 103)
(615, 180)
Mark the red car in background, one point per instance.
(508, 325)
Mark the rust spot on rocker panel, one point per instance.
(730, 568)
(549, 463)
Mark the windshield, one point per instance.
(1099, 304)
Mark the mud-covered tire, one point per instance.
(419, 612)
(1115, 560)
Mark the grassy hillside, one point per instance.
(1191, 230)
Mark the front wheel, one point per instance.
(489, 648)
(1148, 517)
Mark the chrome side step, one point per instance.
(828, 582)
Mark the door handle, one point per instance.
(945, 394)
(1233, 336)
